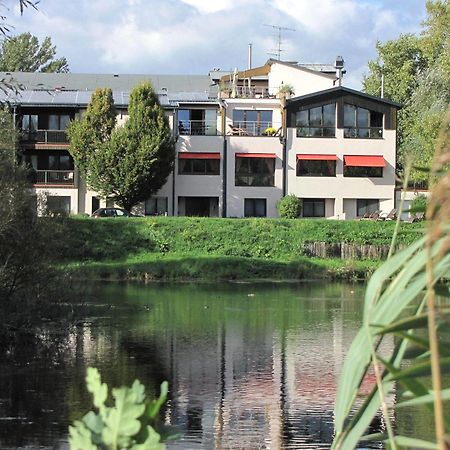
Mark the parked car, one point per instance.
(111, 212)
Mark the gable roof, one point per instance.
(335, 91)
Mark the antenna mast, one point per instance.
(277, 27)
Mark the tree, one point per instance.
(23, 53)
(289, 207)
(128, 163)
(416, 73)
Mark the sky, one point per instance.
(195, 36)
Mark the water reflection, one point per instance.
(249, 366)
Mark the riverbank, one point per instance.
(175, 248)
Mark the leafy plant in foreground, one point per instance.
(129, 424)
(407, 281)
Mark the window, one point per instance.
(196, 166)
(363, 172)
(156, 206)
(313, 207)
(362, 123)
(255, 207)
(316, 168)
(316, 122)
(255, 171)
(54, 161)
(58, 205)
(198, 122)
(366, 206)
(30, 123)
(58, 121)
(253, 122)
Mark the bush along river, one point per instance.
(249, 365)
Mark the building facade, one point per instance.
(243, 141)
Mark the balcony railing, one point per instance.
(263, 128)
(45, 136)
(198, 128)
(364, 132)
(63, 177)
(247, 92)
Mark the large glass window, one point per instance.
(54, 161)
(316, 168)
(58, 121)
(363, 172)
(362, 123)
(197, 122)
(252, 122)
(30, 123)
(366, 206)
(255, 171)
(313, 207)
(156, 206)
(255, 207)
(317, 122)
(199, 166)
(58, 205)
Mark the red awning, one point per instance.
(317, 157)
(364, 161)
(196, 155)
(256, 155)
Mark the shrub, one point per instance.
(289, 207)
(419, 203)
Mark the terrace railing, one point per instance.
(45, 136)
(62, 177)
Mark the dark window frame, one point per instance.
(252, 127)
(356, 131)
(247, 174)
(318, 205)
(317, 168)
(367, 206)
(251, 204)
(156, 209)
(320, 131)
(190, 166)
(363, 172)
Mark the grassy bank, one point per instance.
(202, 248)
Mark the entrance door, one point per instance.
(95, 204)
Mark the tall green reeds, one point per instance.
(400, 305)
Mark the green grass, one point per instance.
(196, 248)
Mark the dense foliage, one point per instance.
(25, 240)
(23, 53)
(289, 207)
(128, 163)
(416, 73)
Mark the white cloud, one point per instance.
(210, 6)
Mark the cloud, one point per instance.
(192, 36)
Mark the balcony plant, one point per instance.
(285, 90)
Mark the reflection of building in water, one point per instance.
(259, 389)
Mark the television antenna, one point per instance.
(280, 29)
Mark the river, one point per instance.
(250, 366)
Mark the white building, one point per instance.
(241, 144)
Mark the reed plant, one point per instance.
(406, 302)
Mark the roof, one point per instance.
(68, 99)
(117, 82)
(75, 90)
(341, 89)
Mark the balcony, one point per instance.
(198, 128)
(246, 128)
(45, 136)
(55, 177)
(246, 92)
(363, 132)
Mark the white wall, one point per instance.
(340, 187)
(303, 81)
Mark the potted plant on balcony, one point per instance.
(225, 90)
(285, 90)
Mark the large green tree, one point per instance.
(416, 73)
(130, 162)
(24, 53)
